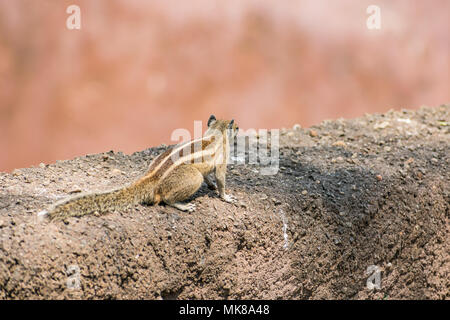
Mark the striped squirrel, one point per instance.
(173, 176)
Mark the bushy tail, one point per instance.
(92, 203)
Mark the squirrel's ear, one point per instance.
(230, 125)
(211, 119)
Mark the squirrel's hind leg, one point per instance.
(180, 185)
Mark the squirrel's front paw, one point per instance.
(229, 198)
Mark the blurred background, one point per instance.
(137, 69)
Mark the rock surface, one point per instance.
(372, 191)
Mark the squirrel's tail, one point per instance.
(94, 203)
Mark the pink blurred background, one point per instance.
(137, 70)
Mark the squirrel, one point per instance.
(172, 177)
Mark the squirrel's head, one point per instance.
(228, 126)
